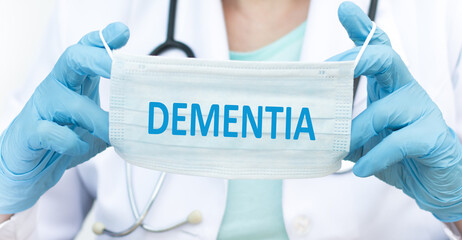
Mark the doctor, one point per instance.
(406, 137)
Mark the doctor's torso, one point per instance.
(334, 207)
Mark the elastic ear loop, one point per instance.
(366, 43)
(109, 52)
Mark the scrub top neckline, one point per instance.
(297, 33)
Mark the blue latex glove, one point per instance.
(401, 137)
(61, 125)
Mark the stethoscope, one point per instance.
(195, 216)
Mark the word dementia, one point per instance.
(304, 124)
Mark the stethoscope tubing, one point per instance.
(154, 194)
(139, 218)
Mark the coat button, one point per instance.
(301, 225)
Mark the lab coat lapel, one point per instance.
(387, 22)
(326, 37)
(324, 34)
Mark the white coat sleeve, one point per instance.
(61, 210)
(57, 215)
(20, 226)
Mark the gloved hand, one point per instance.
(401, 137)
(61, 125)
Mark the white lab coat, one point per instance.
(427, 34)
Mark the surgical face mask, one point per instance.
(231, 119)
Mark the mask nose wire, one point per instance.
(109, 51)
(363, 48)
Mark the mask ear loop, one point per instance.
(366, 43)
(109, 51)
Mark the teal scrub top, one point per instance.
(254, 207)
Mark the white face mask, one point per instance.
(231, 119)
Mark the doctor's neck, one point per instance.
(252, 24)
